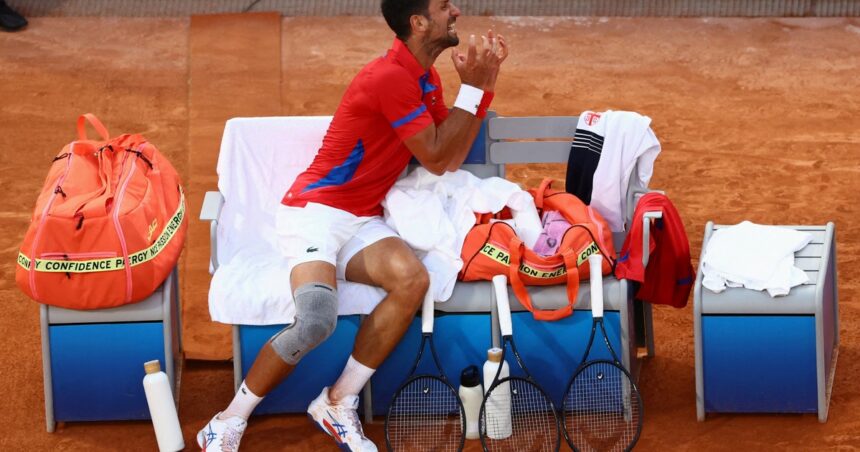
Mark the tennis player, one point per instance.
(330, 224)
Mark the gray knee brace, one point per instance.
(316, 316)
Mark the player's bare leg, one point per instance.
(389, 264)
(269, 369)
(277, 360)
(392, 265)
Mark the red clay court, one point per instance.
(757, 118)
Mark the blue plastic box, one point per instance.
(93, 360)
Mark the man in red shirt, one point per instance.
(330, 227)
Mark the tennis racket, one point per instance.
(602, 409)
(516, 414)
(426, 413)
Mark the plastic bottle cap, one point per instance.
(470, 377)
(152, 367)
(494, 354)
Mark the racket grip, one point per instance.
(500, 285)
(595, 267)
(427, 312)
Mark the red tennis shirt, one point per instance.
(362, 154)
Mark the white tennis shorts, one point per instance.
(317, 232)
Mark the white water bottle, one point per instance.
(162, 409)
(498, 407)
(471, 394)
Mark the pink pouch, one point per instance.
(554, 227)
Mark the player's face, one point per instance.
(443, 15)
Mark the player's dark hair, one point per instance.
(398, 12)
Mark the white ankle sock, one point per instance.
(355, 375)
(243, 404)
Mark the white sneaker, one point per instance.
(222, 435)
(341, 422)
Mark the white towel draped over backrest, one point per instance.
(259, 160)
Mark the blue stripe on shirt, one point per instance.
(426, 86)
(342, 173)
(409, 117)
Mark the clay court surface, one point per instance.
(758, 119)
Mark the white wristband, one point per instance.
(469, 98)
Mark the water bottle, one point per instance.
(498, 407)
(471, 394)
(159, 397)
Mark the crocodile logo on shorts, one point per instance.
(312, 249)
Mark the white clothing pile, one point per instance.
(755, 257)
(433, 214)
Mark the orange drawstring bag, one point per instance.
(493, 248)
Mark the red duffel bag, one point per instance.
(492, 248)
(108, 226)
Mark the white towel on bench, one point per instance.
(754, 256)
(259, 159)
(253, 290)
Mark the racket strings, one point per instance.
(602, 408)
(519, 417)
(425, 416)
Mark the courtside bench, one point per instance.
(92, 361)
(757, 354)
(465, 325)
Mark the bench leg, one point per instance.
(177, 307)
(649, 328)
(237, 359)
(644, 326)
(48, 382)
(367, 397)
(366, 392)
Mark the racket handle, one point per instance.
(595, 267)
(427, 313)
(500, 285)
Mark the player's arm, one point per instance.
(444, 148)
